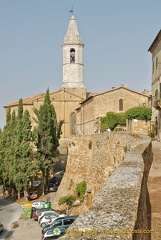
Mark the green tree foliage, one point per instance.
(47, 134)
(112, 120)
(67, 199)
(23, 154)
(7, 150)
(81, 189)
(139, 113)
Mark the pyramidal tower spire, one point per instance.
(72, 57)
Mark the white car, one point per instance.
(47, 213)
(38, 204)
(45, 220)
(54, 233)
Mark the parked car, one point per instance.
(36, 212)
(52, 187)
(64, 222)
(54, 234)
(47, 213)
(33, 195)
(46, 219)
(1, 227)
(38, 204)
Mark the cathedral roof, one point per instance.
(26, 101)
(92, 95)
(155, 42)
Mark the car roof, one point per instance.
(72, 216)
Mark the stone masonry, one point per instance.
(93, 159)
(121, 209)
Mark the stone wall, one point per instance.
(121, 209)
(138, 126)
(93, 159)
(98, 105)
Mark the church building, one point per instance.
(79, 109)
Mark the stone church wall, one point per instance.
(121, 209)
(97, 106)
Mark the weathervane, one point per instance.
(71, 11)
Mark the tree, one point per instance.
(7, 150)
(48, 133)
(23, 156)
(140, 113)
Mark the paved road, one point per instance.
(154, 187)
(9, 213)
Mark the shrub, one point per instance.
(139, 113)
(81, 189)
(67, 199)
(112, 120)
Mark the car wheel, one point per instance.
(43, 225)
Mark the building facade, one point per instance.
(115, 100)
(155, 50)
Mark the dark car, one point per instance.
(64, 222)
(52, 187)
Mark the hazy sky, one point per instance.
(116, 34)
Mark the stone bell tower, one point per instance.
(72, 57)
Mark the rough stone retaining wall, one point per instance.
(121, 210)
(93, 159)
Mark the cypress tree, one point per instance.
(48, 134)
(23, 156)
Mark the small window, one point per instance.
(120, 104)
(72, 55)
(156, 94)
(68, 221)
(156, 62)
(73, 124)
(58, 223)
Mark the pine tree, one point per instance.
(48, 134)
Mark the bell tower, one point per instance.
(72, 57)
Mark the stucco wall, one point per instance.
(121, 209)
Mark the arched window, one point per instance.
(73, 124)
(120, 104)
(72, 55)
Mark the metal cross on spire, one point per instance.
(71, 11)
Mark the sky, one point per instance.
(117, 35)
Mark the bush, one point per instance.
(139, 113)
(112, 120)
(67, 199)
(81, 189)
